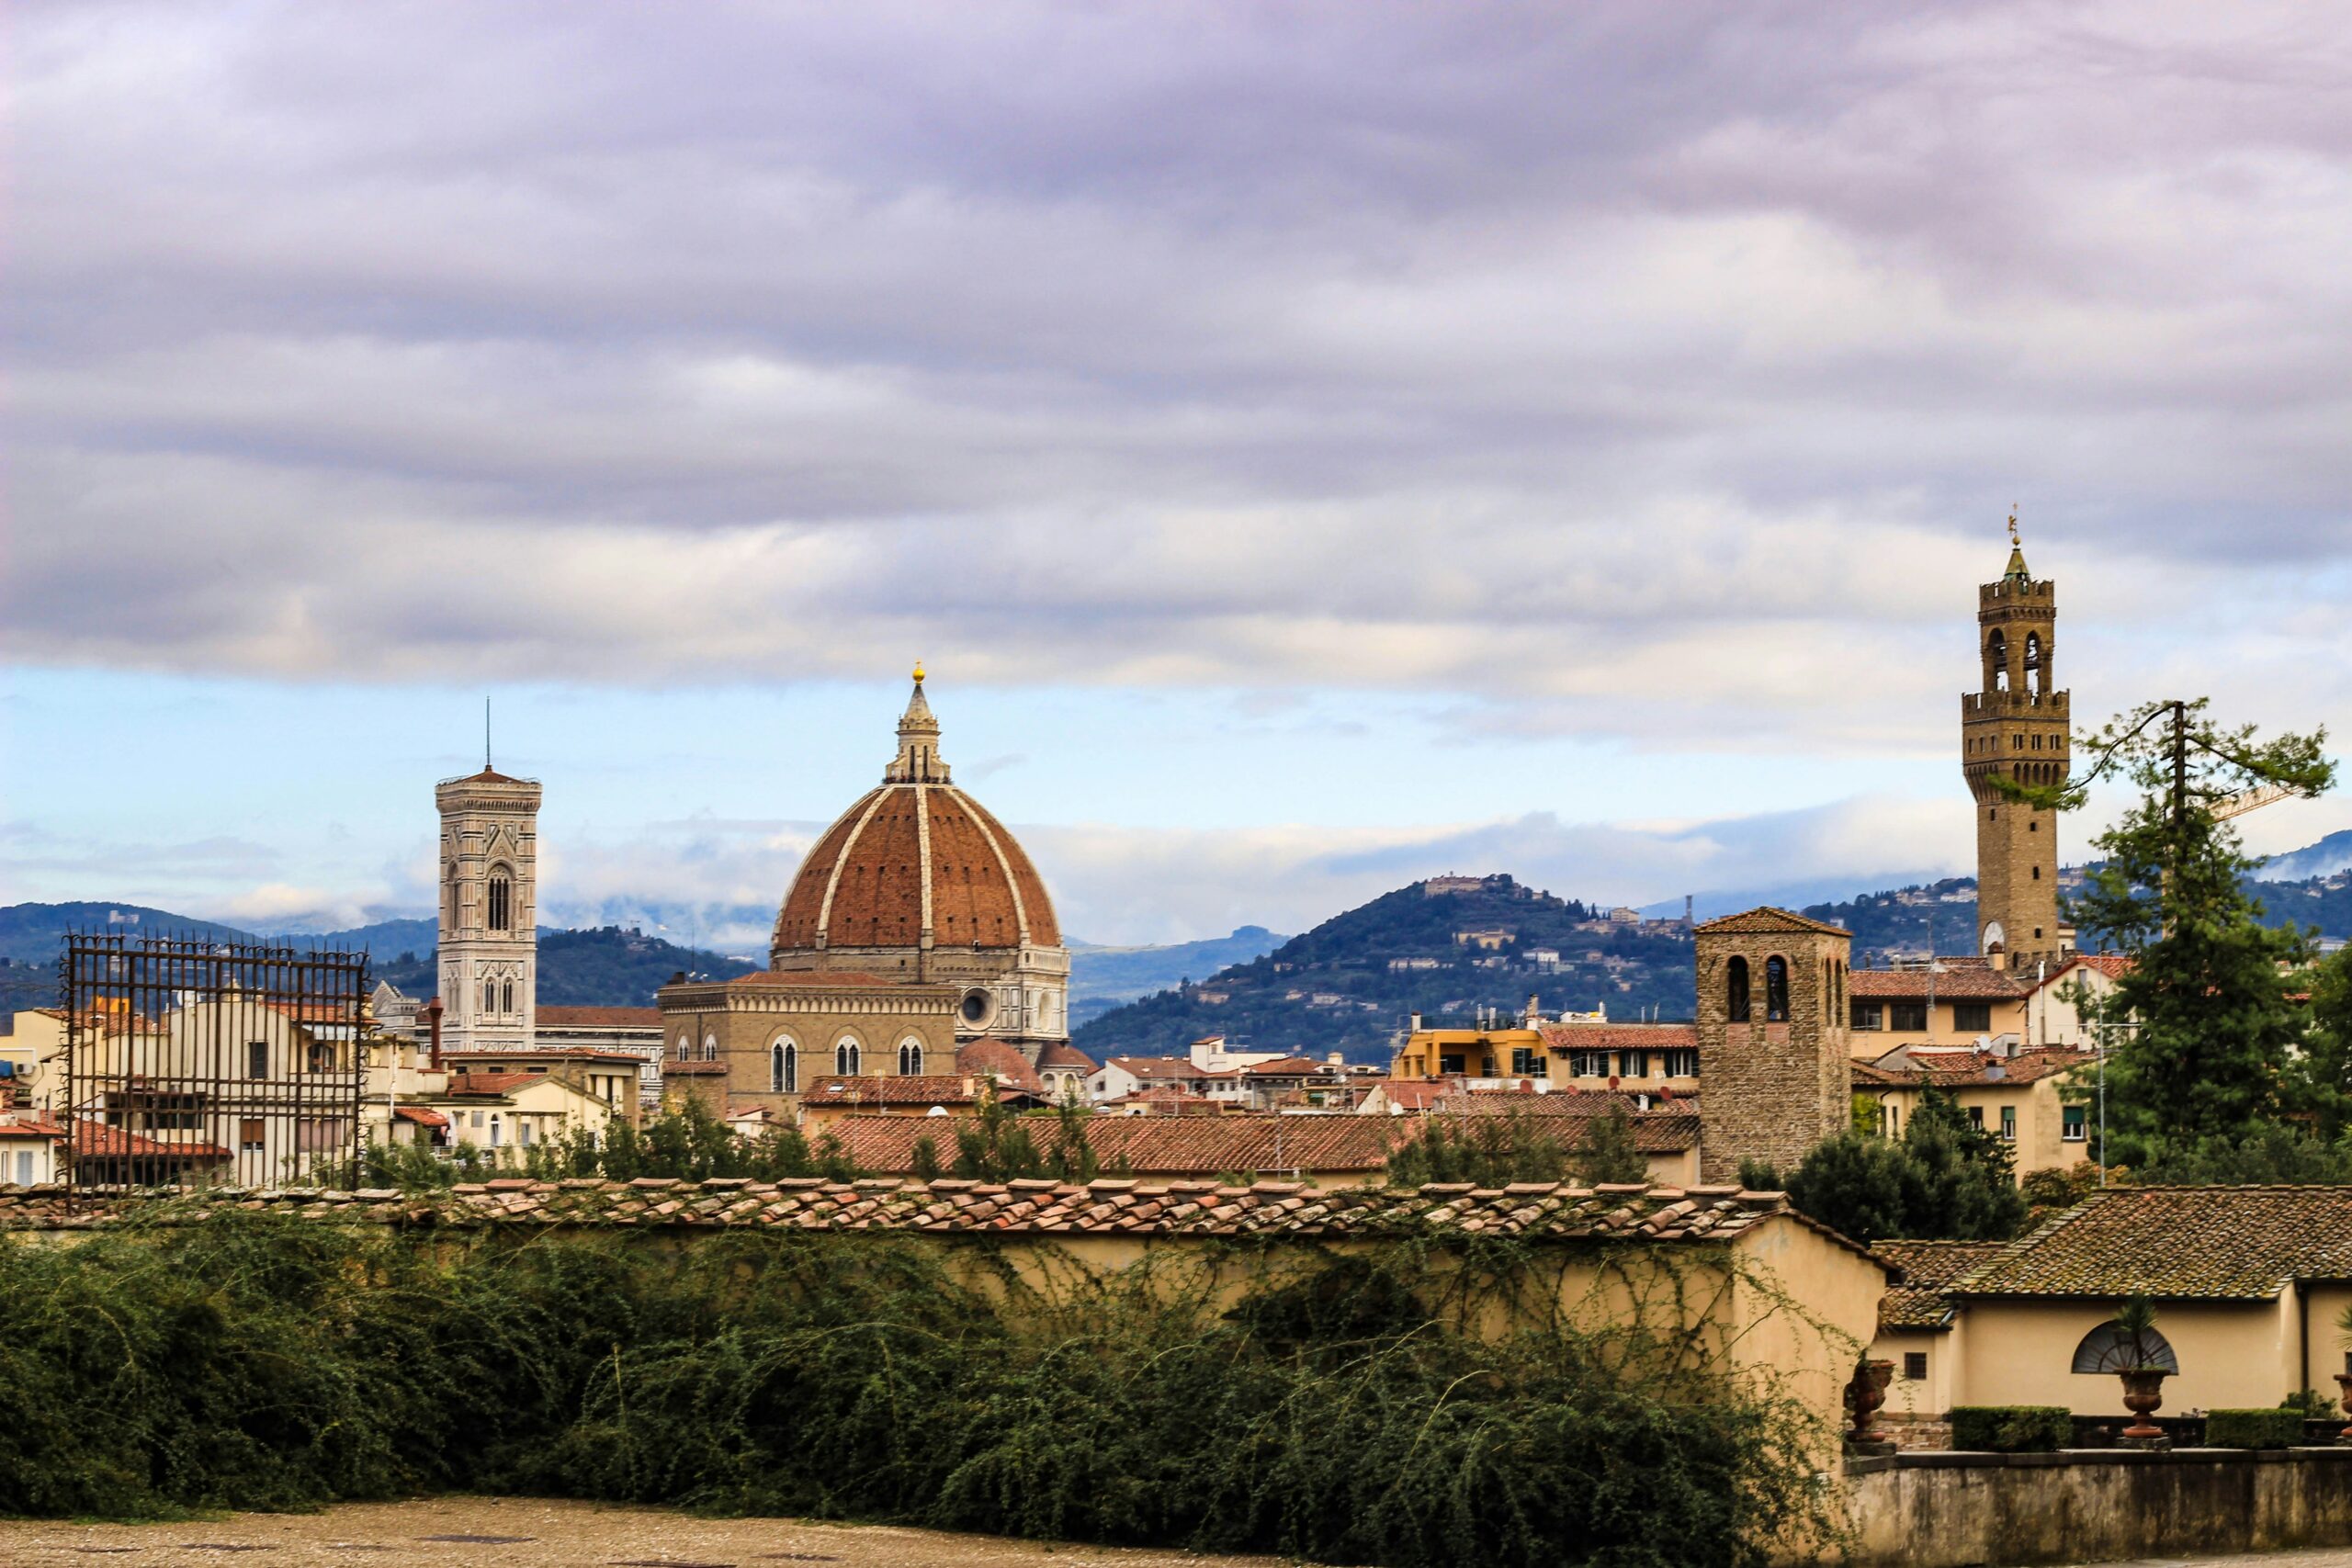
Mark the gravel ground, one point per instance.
(510, 1533)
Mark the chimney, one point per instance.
(431, 1012)
(1415, 1026)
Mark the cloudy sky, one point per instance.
(1312, 446)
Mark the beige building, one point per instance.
(610, 1076)
(1651, 1058)
(1960, 1001)
(506, 1114)
(2022, 1099)
(2249, 1282)
(771, 1036)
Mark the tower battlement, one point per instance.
(2016, 727)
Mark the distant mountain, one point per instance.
(2326, 858)
(382, 940)
(29, 933)
(1352, 981)
(1103, 977)
(610, 966)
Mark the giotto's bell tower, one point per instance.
(489, 947)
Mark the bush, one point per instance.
(1331, 1413)
(2012, 1429)
(2252, 1429)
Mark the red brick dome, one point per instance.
(918, 852)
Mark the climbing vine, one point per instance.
(1394, 1402)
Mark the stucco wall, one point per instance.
(1947, 1510)
(2233, 1355)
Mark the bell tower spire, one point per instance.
(918, 761)
(2016, 726)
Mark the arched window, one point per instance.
(2108, 1349)
(506, 997)
(2037, 668)
(1996, 661)
(1828, 988)
(685, 1047)
(1736, 992)
(846, 1056)
(909, 1058)
(502, 899)
(1776, 989)
(784, 1067)
(710, 1047)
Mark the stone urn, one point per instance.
(1869, 1393)
(2344, 1382)
(2144, 1391)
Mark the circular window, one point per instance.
(979, 1008)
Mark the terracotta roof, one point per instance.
(1561, 1102)
(1415, 1094)
(924, 1089)
(865, 880)
(998, 1061)
(487, 775)
(1066, 1056)
(1654, 1133)
(1918, 1302)
(2227, 1243)
(464, 1082)
(1283, 1067)
(1543, 1212)
(1766, 919)
(1163, 1145)
(1618, 1036)
(423, 1116)
(1958, 1069)
(2114, 965)
(599, 1018)
(1968, 984)
(96, 1139)
(30, 1126)
(1155, 1068)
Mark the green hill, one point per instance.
(1351, 983)
(609, 966)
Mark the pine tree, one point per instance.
(2203, 1029)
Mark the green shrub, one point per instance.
(1331, 1414)
(2012, 1429)
(2252, 1429)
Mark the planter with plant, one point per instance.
(2140, 1367)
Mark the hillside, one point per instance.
(1350, 983)
(1103, 977)
(610, 966)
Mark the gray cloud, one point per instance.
(1659, 371)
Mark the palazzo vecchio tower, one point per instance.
(2016, 726)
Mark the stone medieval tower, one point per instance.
(2015, 725)
(490, 946)
(1772, 1014)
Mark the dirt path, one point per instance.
(516, 1533)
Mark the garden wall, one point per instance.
(1947, 1510)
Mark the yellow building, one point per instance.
(1960, 1001)
(2249, 1282)
(2019, 1099)
(1638, 1059)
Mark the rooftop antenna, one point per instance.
(485, 735)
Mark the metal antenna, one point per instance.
(485, 735)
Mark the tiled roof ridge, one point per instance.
(1536, 1211)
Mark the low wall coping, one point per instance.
(1965, 1459)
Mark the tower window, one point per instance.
(846, 1058)
(784, 1067)
(1736, 992)
(910, 1059)
(1776, 989)
(500, 901)
(2037, 873)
